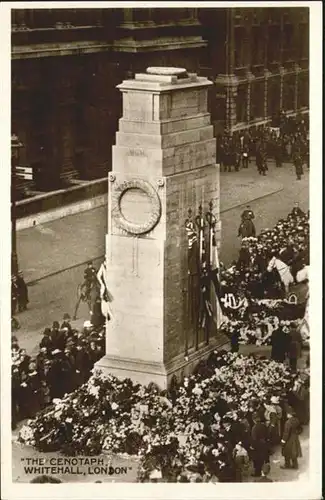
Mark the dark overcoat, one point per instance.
(291, 449)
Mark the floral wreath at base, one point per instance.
(121, 221)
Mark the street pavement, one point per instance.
(53, 256)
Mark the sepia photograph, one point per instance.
(160, 247)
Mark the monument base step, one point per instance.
(146, 372)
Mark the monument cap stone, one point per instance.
(165, 70)
(163, 78)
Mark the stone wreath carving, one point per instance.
(121, 221)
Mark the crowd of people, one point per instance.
(264, 317)
(287, 141)
(288, 241)
(65, 359)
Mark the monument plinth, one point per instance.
(163, 164)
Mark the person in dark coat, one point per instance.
(40, 360)
(241, 462)
(34, 390)
(54, 333)
(247, 214)
(22, 292)
(234, 340)
(66, 323)
(246, 229)
(25, 359)
(291, 448)
(302, 403)
(58, 336)
(259, 445)
(280, 344)
(45, 396)
(295, 347)
(296, 211)
(46, 341)
(97, 317)
(54, 376)
(278, 153)
(15, 387)
(297, 161)
(244, 257)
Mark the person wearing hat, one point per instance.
(58, 336)
(66, 323)
(259, 444)
(247, 214)
(22, 292)
(298, 164)
(296, 211)
(295, 346)
(46, 341)
(279, 344)
(291, 448)
(242, 462)
(273, 421)
(87, 327)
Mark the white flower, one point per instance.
(114, 406)
(26, 433)
(94, 391)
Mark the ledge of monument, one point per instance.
(163, 83)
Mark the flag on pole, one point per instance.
(105, 296)
(193, 272)
(217, 305)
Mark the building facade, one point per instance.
(66, 64)
(259, 61)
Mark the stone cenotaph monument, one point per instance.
(164, 174)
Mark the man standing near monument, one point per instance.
(247, 214)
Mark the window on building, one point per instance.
(257, 99)
(257, 46)
(273, 45)
(303, 41)
(303, 91)
(141, 15)
(273, 96)
(162, 16)
(239, 47)
(289, 92)
(288, 42)
(241, 103)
